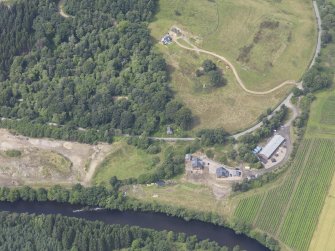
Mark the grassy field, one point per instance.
(182, 194)
(125, 161)
(291, 210)
(328, 111)
(281, 52)
(249, 207)
(228, 107)
(276, 52)
(323, 238)
(322, 118)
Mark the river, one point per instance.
(157, 221)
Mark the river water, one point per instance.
(157, 221)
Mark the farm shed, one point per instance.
(272, 146)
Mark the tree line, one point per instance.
(320, 76)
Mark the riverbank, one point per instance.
(157, 221)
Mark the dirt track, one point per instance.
(239, 80)
(232, 67)
(84, 158)
(61, 11)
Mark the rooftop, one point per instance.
(272, 146)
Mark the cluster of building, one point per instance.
(220, 171)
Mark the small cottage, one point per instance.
(197, 164)
(222, 172)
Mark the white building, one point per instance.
(272, 146)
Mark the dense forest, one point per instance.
(55, 232)
(96, 69)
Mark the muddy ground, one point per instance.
(47, 162)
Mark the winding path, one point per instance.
(239, 80)
(286, 101)
(61, 10)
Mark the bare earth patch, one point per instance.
(47, 162)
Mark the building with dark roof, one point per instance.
(197, 163)
(222, 172)
(167, 39)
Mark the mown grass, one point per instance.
(322, 118)
(181, 194)
(124, 161)
(323, 238)
(228, 106)
(328, 111)
(226, 27)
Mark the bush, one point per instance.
(209, 65)
(213, 136)
(13, 153)
(154, 149)
(316, 79)
(210, 154)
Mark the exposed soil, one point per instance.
(48, 162)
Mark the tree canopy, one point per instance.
(55, 232)
(96, 69)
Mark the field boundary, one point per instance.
(294, 189)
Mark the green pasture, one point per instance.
(322, 116)
(226, 27)
(228, 106)
(124, 161)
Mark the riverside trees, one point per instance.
(54, 232)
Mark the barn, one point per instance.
(272, 146)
